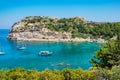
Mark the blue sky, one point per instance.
(12, 11)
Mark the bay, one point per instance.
(74, 54)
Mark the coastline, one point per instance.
(63, 40)
(53, 37)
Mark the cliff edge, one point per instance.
(37, 28)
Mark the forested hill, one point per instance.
(77, 26)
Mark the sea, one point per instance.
(64, 54)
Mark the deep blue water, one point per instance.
(77, 54)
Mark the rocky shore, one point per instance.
(48, 35)
(37, 29)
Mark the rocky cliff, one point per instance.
(27, 29)
(41, 35)
(64, 29)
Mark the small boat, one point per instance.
(2, 53)
(21, 48)
(67, 65)
(45, 53)
(60, 64)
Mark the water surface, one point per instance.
(76, 54)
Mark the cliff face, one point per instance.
(27, 29)
(42, 34)
(70, 29)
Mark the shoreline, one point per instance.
(48, 35)
(63, 40)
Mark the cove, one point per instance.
(69, 54)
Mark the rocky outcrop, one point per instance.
(48, 35)
(38, 29)
(34, 28)
(42, 34)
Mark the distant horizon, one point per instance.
(59, 18)
(92, 10)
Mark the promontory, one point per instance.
(40, 28)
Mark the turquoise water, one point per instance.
(77, 54)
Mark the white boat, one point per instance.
(21, 46)
(45, 53)
(1, 50)
(2, 53)
(60, 64)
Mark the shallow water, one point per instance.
(74, 54)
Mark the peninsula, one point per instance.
(37, 28)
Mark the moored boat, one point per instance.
(2, 53)
(45, 53)
(1, 50)
(21, 48)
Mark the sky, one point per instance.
(12, 11)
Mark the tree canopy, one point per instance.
(77, 26)
(108, 55)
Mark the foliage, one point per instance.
(66, 74)
(108, 74)
(109, 54)
(77, 26)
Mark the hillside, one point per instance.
(64, 29)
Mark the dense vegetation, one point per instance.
(77, 26)
(109, 54)
(66, 74)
